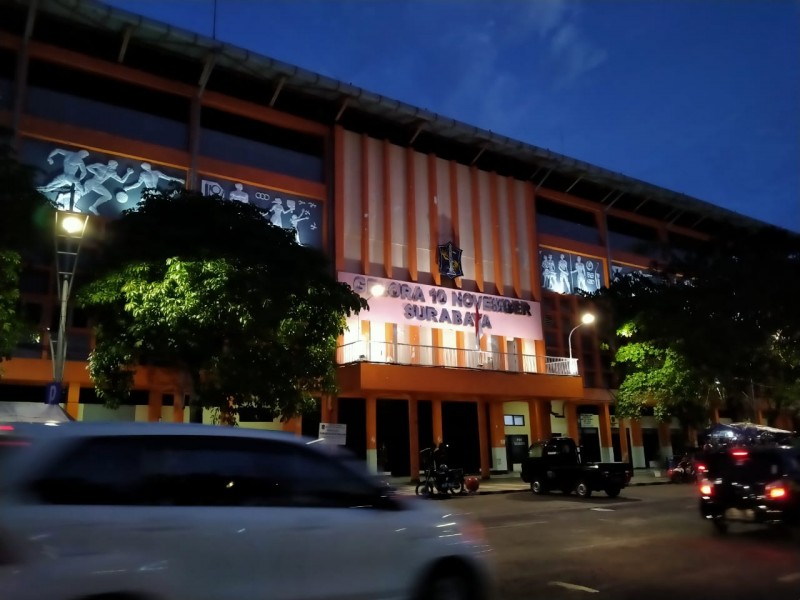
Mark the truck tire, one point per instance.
(613, 491)
(583, 490)
(538, 488)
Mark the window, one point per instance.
(566, 221)
(514, 420)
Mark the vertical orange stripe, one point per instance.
(454, 209)
(154, 405)
(438, 431)
(605, 426)
(411, 223)
(496, 424)
(636, 433)
(338, 195)
(387, 210)
(433, 218)
(483, 442)
(389, 337)
(73, 400)
(413, 341)
(413, 438)
(476, 227)
(503, 356)
(533, 242)
(497, 233)
(511, 195)
(534, 420)
(365, 204)
(438, 352)
(462, 354)
(372, 422)
(518, 345)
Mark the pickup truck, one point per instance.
(556, 464)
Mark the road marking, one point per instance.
(603, 509)
(573, 586)
(523, 524)
(789, 578)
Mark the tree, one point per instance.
(211, 288)
(26, 225)
(710, 326)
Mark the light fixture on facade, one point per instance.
(586, 319)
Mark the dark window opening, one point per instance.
(629, 236)
(566, 221)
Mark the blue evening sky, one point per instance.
(701, 98)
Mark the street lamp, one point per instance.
(586, 319)
(69, 230)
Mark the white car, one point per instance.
(151, 511)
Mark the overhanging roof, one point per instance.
(328, 100)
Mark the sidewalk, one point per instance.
(504, 483)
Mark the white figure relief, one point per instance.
(592, 277)
(580, 275)
(276, 211)
(100, 174)
(148, 179)
(548, 272)
(295, 219)
(74, 170)
(239, 194)
(563, 275)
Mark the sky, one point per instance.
(701, 98)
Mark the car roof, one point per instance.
(106, 428)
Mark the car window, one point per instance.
(199, 471)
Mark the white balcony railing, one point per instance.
(407, 354)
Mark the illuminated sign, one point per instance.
(565, 273)
(95, 182)
(288, 211)
(415, 304)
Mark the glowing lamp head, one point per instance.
(587, 319)
(377, 289)
(72, 224)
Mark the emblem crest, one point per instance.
(450, 260)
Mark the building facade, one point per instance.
(479, 242)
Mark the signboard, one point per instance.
(408, 303)
(94, 182)
(288, 211)
(589, 421)
(565, 273)
(53, 393)
(333, 433)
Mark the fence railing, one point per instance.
(438, 356)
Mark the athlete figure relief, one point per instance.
(149, 178)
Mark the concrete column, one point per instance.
(483, 440)
(329, 408)
(606, 445)
(625, 451)
(154, 403)
(372, 434)
(571, 415)
(637, 451)
(73, 405)
(436, 412)
(413, 439)
(177, 407)
(665, 441)
(498, 436)
(535, 420)
(293, 426)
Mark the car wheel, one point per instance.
(583, 490)
(720, 525)
(537, 487)
(613, 491)
(449, 584)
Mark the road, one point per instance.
(649, 543)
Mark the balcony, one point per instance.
(458, 358)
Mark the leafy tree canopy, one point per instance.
(26, 226)
(720, 319)
(212, 288)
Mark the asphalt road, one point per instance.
(650, 543)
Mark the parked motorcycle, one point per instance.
(439, 478)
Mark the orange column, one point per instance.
(461, 356)
(571, 415)
(372, 433)
(665, 440)
(154, 402)
(413, 438)
(73, 400)
(606, 444)
(293, 425)
(177, 407)
(328, 408)
(625, 451)
(498, 436)
(483, 442)
(438, 351)
(413, 340)
(637, 443)
(436, 412)
(535, 419)
(541, 354)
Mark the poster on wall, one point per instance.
(95, 182)
(288, 211)
(564, 273)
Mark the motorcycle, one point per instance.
(439, 478)
(683, 472)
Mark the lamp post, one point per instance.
(586, 319)
(69, 230)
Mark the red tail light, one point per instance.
(739, 453)
(706, 488)
(776, 491)
(701, 468)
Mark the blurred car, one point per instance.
(154, 511)
(756, 485)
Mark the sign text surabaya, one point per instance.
(449, 305)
